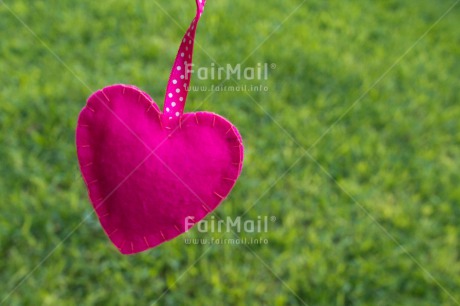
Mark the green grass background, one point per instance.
(369, 216)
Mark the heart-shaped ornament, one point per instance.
(150, 174)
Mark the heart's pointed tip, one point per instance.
(129, 249)
(127, 252)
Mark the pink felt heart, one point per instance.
(146, 177)
(150, 174)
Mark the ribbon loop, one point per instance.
(179, 80)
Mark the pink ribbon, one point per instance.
(179, 80)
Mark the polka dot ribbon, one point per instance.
(179, 80)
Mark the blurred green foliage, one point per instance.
(381, 227)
